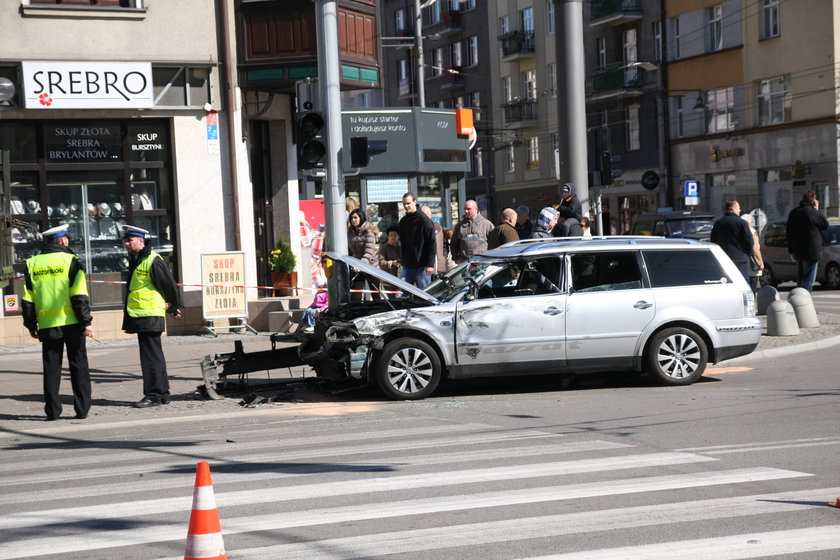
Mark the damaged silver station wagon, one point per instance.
(664, 306)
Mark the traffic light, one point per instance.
(311, 143)
(361, 149)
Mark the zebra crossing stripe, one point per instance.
(477, 534)
(404, 461)
(343, 488)
(151, 532)
(750, 545)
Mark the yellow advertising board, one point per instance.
(223, 285)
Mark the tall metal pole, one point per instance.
(326, 24)
(418, 53)
(573, 103)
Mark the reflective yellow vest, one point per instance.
(51, 289)
(143, 298)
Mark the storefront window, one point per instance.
(384, 202)
(98, 176)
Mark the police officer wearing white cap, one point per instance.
(151, 294)
(56, 310)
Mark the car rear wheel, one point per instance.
(832, 276)
(677, 356)
(408, 369)
(768, 278)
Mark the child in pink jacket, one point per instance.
(307, 322)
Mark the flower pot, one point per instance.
(284, 283)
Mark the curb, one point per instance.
(787, 350)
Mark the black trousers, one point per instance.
(52, 354)
(153, 365)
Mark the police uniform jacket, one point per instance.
(163, 282)
(79, 301)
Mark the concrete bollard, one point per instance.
(765, 296)
(803, 307)
(781, 320)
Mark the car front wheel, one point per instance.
(408, 369)
(677, 356)
(832, 276)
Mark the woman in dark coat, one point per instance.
(361, 238)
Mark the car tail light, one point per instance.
(749, 303)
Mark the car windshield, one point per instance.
(689, 227)
(458, 279)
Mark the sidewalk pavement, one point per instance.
(117, 380)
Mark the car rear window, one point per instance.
(683, 268)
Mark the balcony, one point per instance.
(614, 12)
(453, 77)
(517, 44)
(614, 82)
(520, 112)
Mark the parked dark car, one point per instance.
(779, 265)
(686, 223)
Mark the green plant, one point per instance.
(282, 257)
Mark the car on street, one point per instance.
(667, 307)
(681, 223)
(779, 265)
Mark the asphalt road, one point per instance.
(740, 465)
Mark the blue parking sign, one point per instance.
(692, 189)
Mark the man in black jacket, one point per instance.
(151, 294)
(417, 242)
(735, 237)
(805, 239)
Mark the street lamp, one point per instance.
(418, 46)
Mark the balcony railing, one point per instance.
(518, 42)
(520, 110)
(616, 11)
(615, 79)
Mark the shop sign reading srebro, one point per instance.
(223, 281)
(87, 85)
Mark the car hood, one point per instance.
(384, 276)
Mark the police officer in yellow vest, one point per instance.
(151, 294)
(56, 310)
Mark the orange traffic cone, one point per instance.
(204, 537)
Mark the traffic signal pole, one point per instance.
(329, 80)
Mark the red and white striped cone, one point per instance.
(204, 537)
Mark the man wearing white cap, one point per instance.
(56, 311)
(151, 294)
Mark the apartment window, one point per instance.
(551, 72)
(770, 19)
(510, 158)
(774, 101)
(631, 55)
(475, 104)
(720, 110)
(533, 152)
(715, 27)
(549, 16)
(657, 40)
(632, 128)
(677, 38)
(458, 102)
(555, 146)
(455, 54)
(679, 114)
(435, 12)
(504, 25)
(478, 162)
(399, 21)
(529, 84)
(437, 61)
(472, 44)
(402, 69)
(601, 43)
(507, 91)
(526, 19)
(469, 4)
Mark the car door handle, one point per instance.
(552, 311)
(642, 305)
